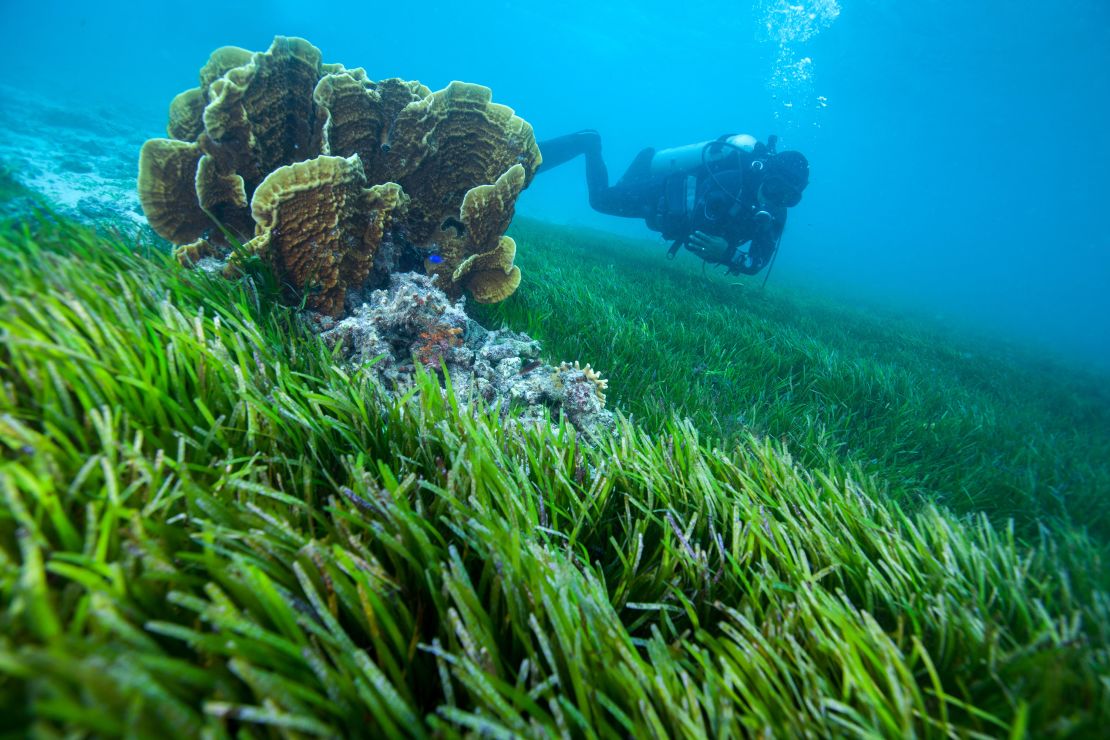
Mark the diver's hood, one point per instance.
(792, 167)
(785, 176)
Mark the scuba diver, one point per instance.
(713, 197)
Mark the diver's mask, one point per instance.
(777, 191)
(786, 176)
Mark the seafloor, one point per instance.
(83, 161)
(798, 518)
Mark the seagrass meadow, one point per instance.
(810, 522)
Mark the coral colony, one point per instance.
(363, 180)
(313, 165)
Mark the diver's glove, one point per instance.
(709, 248)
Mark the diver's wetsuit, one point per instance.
(717, 198)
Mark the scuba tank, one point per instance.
(694, 195)
(682, 168)
(692, 156)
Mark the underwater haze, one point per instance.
(958, 150)
(337, 413)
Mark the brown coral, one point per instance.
(491, 276)
(449, 142)
(220, 62)
(320, 226)
(261, 114)
(460, 159)
(187, 109)
(192, 253)
(487, 210)
(223, 197)
(493, 286)
(396, 94)
(240, 119)
(488, 272)
(356, 115)
(167, 190)
(186, 112)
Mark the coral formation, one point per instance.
(167, 189)
(583, 375)
(453, 158)
(320, 227)
(261, 115)
(186, 115)
(357, 115)
(187, 109)
(414, 322)
(192, 253)
(486, 212)
(341, 183)
(464, 160)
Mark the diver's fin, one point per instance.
(562, 149)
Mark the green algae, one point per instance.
(208, 526)
(932, 414)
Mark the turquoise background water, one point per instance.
(959, 151)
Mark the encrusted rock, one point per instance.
(413, 321)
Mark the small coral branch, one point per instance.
(587, 375)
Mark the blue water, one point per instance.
(959, 152)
